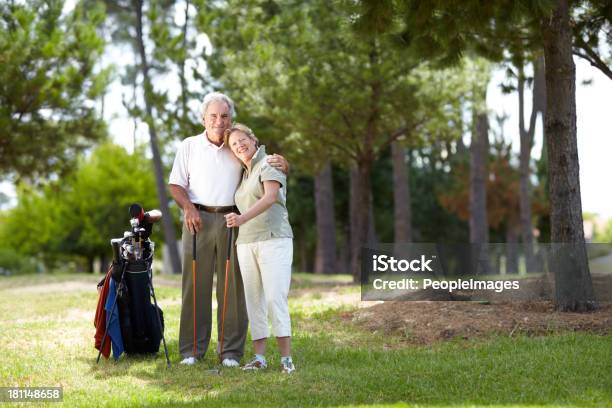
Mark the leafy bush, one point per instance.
(13, 263)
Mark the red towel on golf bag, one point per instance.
(100, 319)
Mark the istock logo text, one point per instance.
(384, 263)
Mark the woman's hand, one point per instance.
(233, 220)
(271, 188)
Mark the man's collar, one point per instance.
(208, 143)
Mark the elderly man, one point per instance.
(203, 181)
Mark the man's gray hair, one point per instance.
(216, 97)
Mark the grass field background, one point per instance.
(46, 339)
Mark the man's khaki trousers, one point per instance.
(211, 250)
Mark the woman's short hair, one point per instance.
(216, 97)
(239, 127)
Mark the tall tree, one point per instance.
(160, 179)
(573, 286)
(527, 134)
(479, 174)
(49, 84)
(133, 14)
(479, 228)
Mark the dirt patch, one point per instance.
(429, 322)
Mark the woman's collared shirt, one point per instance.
(272, 223)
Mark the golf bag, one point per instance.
(140, 329)
(141, 321)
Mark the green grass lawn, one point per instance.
(46, 339)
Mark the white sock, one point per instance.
(287, 360)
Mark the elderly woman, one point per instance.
(264, 245)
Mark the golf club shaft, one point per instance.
(227, 271)
(159, 322)
(193, 278)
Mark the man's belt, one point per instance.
(222, 210)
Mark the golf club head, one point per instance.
(136, 211)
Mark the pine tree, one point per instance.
(49, 84)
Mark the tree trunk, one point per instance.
(511, 249)
(539, 86)
(526, 144)
(372, 237)
(168, 226)
(479, 229)
(573, 285)
(479, 226)
(401, 194)
(182, 78)
(342, 261)
(353, 198)
(103, 263)
(360, 196)
(326, 223)
(362, 183)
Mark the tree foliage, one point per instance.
(79, 215)
(317, 87)
(48, 85)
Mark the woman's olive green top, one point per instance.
(273, 222)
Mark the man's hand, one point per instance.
(279, 162)
(234, 220)
(193, 222)
(191, 215)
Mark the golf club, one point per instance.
(193, 278)
(227, 270)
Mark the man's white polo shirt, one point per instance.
(210, 174)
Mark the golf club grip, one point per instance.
(152, 216)
(229, 243)
(116, 255)
(194, 253)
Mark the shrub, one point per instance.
(14, 263)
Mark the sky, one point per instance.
(594, 127)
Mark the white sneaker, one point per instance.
(189, 361)
(230, 362)
(255, 364)
(287, 366)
